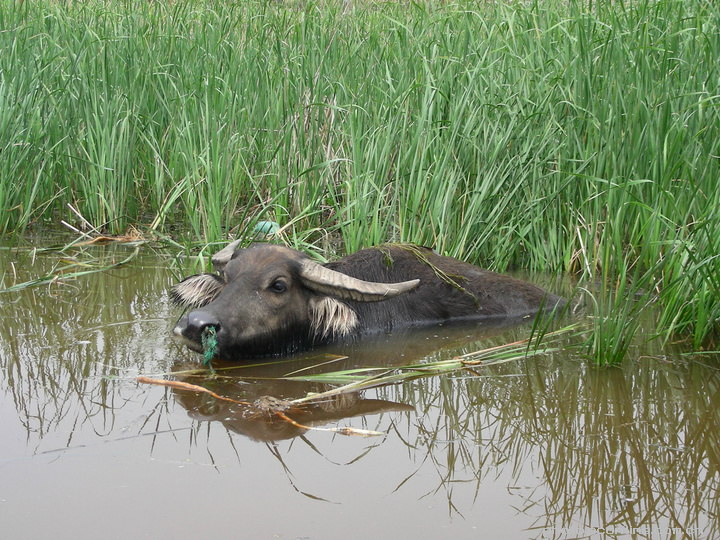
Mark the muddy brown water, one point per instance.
(550, 447)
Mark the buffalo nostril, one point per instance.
(202, 329)
(199, 322)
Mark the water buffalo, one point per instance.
(268, 300)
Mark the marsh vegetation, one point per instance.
(568, 137)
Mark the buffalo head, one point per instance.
(272, 300)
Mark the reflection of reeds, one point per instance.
(630, 447)
(62, 344)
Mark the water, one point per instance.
(550, 447)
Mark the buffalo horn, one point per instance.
(222, 257)
(330, 282)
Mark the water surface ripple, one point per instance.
(551, 447)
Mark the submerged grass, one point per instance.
(562, 136)
(359, 379)
(70, 268)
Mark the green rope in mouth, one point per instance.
(209, 345)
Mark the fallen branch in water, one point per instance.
(341, 431)
(187, 386)
(266, 405)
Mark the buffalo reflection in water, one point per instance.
(259, 422)
(254, 418)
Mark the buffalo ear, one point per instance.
(197, 291)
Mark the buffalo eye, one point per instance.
(278, 286)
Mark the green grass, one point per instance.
(554, 136)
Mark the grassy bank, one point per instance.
(557, 136)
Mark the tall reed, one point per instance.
(567, 136)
